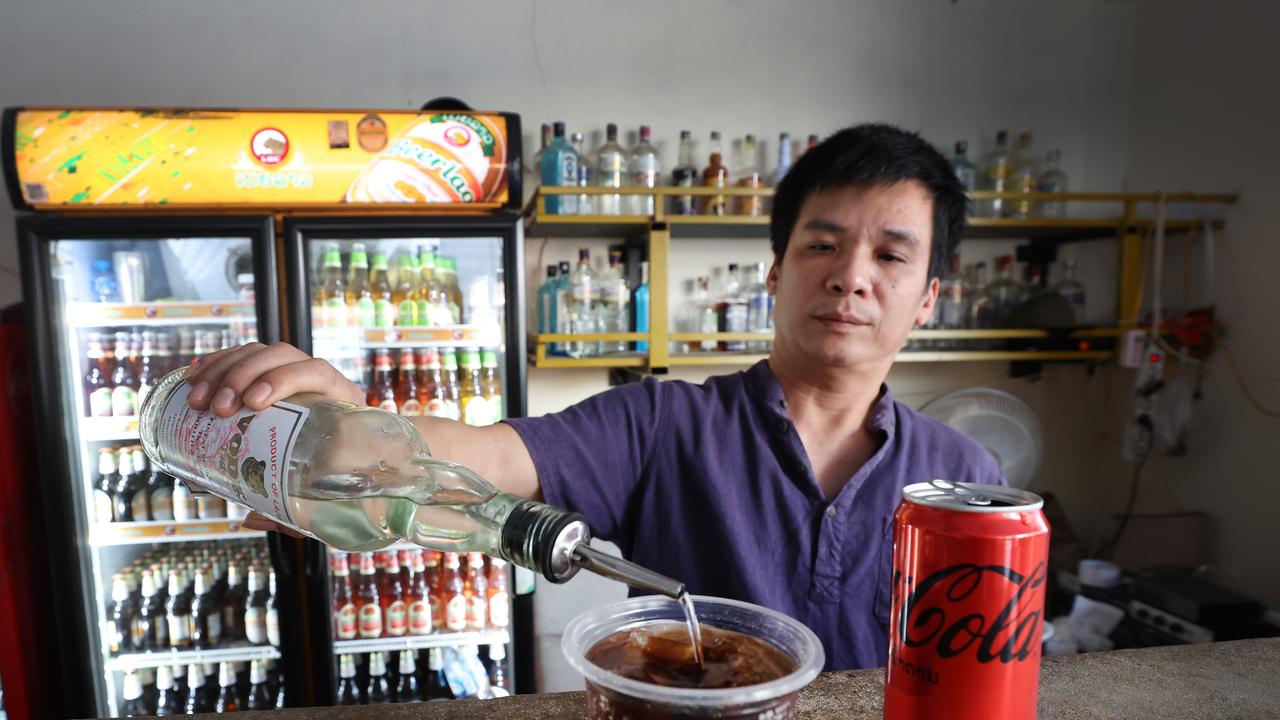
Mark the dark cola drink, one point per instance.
(662, 654)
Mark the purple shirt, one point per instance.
(710, 484)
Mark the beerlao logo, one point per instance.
(457, 136)
(269, 146)
(945, 610)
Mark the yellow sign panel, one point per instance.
(278, 159)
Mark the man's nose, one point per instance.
(851, 273)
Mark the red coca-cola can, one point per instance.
(970, 564)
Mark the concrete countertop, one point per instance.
(1220, 680)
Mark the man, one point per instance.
(776, 485)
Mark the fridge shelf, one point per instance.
(89, 315)
(245, 653)
(409, 337)
(168, 531)
(418, 642)
(105, 429)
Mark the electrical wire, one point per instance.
(1128, 509)
(1238, 377)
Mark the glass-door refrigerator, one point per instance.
(424, 314)
(152, 582)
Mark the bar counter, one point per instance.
(1238, 679)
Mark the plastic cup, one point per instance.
(613, 696)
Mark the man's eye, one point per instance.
(821, 247)
(889, 257)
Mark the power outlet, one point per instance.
(1150, 378)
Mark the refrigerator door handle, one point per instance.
(280, 549)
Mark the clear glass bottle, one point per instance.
(586, 203)
(560, 169)
(614, 311)
(701, 313)
(685, 174)
(966, 171)
(953, 301)
(1072, 289)
(644, 168)
(1022, 178)
(1052, 180)
(731, 311)
(1006, 291)
(756, 294)
(996, 171)
(611, 171)
(749, 175)
(330, 306)
(359, 293)
(784, 159)
(580, 315)
(982, 307)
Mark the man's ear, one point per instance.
(929, 300)
(771, 280)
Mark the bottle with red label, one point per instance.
(394, 608)
(476, 588)
(406, 569)
(368, 603)
(432, 576)
(499, 594)
(419, 593)
(432, 390)
(382, 389)
(97, 381)
(453, 598)
(344, 604)
(407, 385)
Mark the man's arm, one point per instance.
(256, 375)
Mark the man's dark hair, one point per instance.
(874, 154)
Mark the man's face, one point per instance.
(854, 279)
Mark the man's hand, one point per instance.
(257, 521)
(255, 376)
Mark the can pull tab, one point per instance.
(964, 494)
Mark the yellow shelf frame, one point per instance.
(1128, 228)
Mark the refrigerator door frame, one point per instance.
(297, 231)
(75, 635)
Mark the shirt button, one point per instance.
(831, 511)
(783, 403)
(783, 427)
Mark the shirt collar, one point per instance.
(767, 391)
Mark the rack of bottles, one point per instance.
(660, 346)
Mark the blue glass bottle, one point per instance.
(640, 302)
(560, 169)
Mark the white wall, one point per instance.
(952, 70)
(1204, 115)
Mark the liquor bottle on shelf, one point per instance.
(405, 293)
(586, 203)
(535, 165)
(379, 690)
(499, 594)
(359, 293)
(640, 303)
(453, 599)
(382, 391)
(152, 625)
(476, 589)
(685, 174)
(260, 695)
(406, 391)
(544, 316)
(163, 360)
(431, 562)
(784, 159)
(198, 700)
(1005, 291)
(759, 319)
(278, 686)
(104, 488)
(211, 507)
(186, 347)
(966, 172)
(953, 301)
(255, 612)
(178, 613)
(169, 701)
(982, 314)
(273, 610)
(122, 618)
(610, 171)
(369, 620)
(614, 309)
(1072, 289)
(1022, 178)
(395, 608)
(344, 605)
(330, 304)
(700, 314)
(560, 169)
(97, 381)
(407, 685)
(148, 371)
(580, 316)
(731, 311)
(228, 698)
(384, 312)
(436, 686)
(644, 169)
(235, 601)
(1052, 180)
(996, 171)
(715, 175)
(749, 175)
(419, 594)
(206, 617)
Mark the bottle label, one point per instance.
(370, 621)
(365, 312)
(184, 505)
(102, 507)
(419, 618)
(344, 621)
(139, 505)
(100, 402)
(411, 408)
(244, 457)
(160, 629)
(255, 625)
(477, 612)
(384, 313)
(397, 618)
(388, 405)
(137, 633)
(334, 312)
(499, 610)
(476, 411)
(161, 504)
(179, 629)
(213, 624)
(407, 314)
(273, 627)
(455, 614)
(435, 408)
(433, 606)
(114, 637)
(124, 401)
(210, 507)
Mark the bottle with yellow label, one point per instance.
(384, 312)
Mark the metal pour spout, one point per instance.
(615, 568)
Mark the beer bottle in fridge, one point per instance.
(433, 576)
(197, 693)
(133, 705)
(122, 617)
(437, 686)
(476, 588)
(276, 674)
(382, 391)
(234, 603)
(329, 308)
(379, 691)
(151, 616)
(449, 378)
(407, 385)
(141, 506)
(97, 381)
(368, 603)
(359, 294)
(452, 596)
(227, 698)
(206, 616)
(347, 693)
(499, 593)
(124, 393)
(344, 606)
(404, 295)
(149, 370)
(177, 611)
(395, 609)
(407, 685)
(160, 495)
(255, 614)
(169, 699)
(273, 610)
(470, 394)
(126, 488)
(260, 695)
(420, 618)
(499, 672)
(380, 288)
(491, 383)
(104, 490)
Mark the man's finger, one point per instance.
(256, 521)
(226, 384)
(205, 375)
(312, 375)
